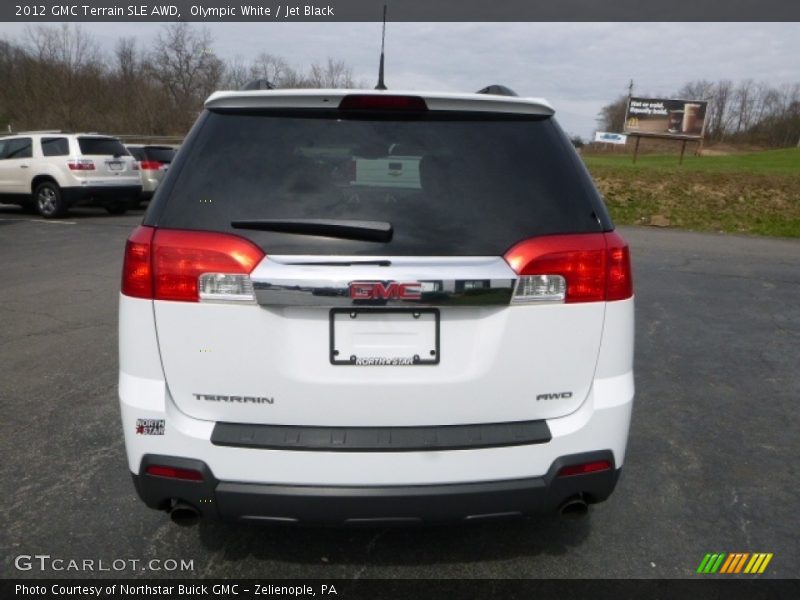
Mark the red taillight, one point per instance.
(81, 164)
(152, 165)
(165, 264)
(137, 279)
(619, 279)
(382, 102)
(595, 266)
(582, 469)
(174, 473)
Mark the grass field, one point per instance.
(756, 193)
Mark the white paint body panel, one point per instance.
(467, 388)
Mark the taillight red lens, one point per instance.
(174, 473)
(165, 264)
(620, 277)
(596, 266)
(382, 102)
(137, 277)
(150, 164)
(81, 164)
(582, 469)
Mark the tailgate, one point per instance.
(460, 353)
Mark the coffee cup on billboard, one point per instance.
(675, 123)
(692, 121)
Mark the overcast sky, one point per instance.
(578, 67)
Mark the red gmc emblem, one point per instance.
(391, 290)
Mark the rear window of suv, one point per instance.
(450, 184)
(98, 146)
(162, 154)
(55, 146)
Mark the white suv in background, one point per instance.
(153, 161)
(449, 338)
(52, 171)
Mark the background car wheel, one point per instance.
(118, 207)
(48, 201)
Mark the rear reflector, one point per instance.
(585, 468)
(382, 102)
(174, 473)
(584, 267)
(188, 266)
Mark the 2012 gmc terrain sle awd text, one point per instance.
(371, 307)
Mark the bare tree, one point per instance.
(612, 116)
(720, 104)
(334, 74)
(67, 46)
(697, 90)
(63, 62)
(185, 64)
(269, 67)
(58, 78)
(236, 74)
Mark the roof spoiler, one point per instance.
(259, 84)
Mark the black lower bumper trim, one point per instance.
(375, 505)
(381, 439)
(100, 193)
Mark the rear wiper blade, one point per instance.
(365, 231)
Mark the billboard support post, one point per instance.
(683, 150)
(636, 148)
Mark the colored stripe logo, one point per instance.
(735, 563)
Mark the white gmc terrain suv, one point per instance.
(371, 307)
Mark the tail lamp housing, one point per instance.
(189, 266)
(583, 267)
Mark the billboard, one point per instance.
(666, 118)
(610, 138)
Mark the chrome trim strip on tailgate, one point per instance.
(326, 281)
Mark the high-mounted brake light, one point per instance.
(382, 102)
(174, 473)
(586, 267)
(189, 266)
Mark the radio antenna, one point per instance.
(381, 85)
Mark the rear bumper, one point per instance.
(374, 505)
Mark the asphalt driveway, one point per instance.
(711, 466)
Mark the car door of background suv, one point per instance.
(15, 163)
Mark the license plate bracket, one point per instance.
(384, 337)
